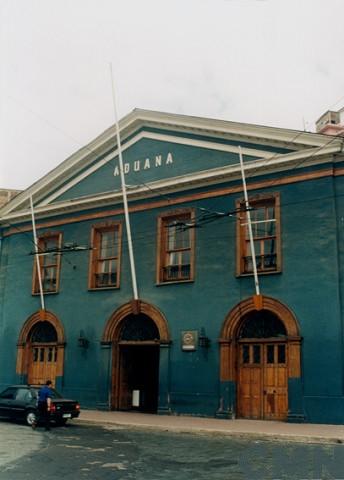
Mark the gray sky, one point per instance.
(270, 62)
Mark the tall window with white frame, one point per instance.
(105, 256)
(49, 256)
(176, 240)
(265, 220)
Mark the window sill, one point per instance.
(173, 282)
(35, 294)
(96, 289)
(270, 272)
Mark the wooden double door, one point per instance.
(262, 390)
(42, 363)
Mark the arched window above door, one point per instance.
(43, 332)
(262, 324)
(244, 321)
(139, 328)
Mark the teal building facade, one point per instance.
(198, 339)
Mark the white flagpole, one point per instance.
(248, 216)
(38, 266)
(124, 193)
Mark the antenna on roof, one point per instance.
(304, 123)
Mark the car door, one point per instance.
(7, 398)
(20, 402)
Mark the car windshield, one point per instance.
(54, 393)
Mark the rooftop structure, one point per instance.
(331, 123)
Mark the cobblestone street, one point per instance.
(97, 453)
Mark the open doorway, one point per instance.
(137, 365)
(139, 377)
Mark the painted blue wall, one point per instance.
(311, 285)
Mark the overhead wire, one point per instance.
(212, 214)
(150, 233)
(317, 150)
(230, 214)
(40, 250)
(267, 161)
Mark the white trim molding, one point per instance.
(305, 144)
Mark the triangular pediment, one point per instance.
(153, 157)
(161, 149)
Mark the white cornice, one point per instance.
(223, 126)
(182, 123)
(292, 161)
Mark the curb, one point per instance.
(259, 436)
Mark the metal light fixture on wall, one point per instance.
(203, 340)
(82, 340)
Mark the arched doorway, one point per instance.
(40, 349)
(262, 388)
(138, 374)
(136, 335)
(43, 358)
(260, 351)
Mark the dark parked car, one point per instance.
(19, 402)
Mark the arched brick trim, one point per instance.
(39, 317)
(233, 320)
(23, 340)
(233, 323)
(112, 333)
(114, 324)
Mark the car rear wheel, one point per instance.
(31, 417)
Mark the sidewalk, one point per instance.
(310, 433)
